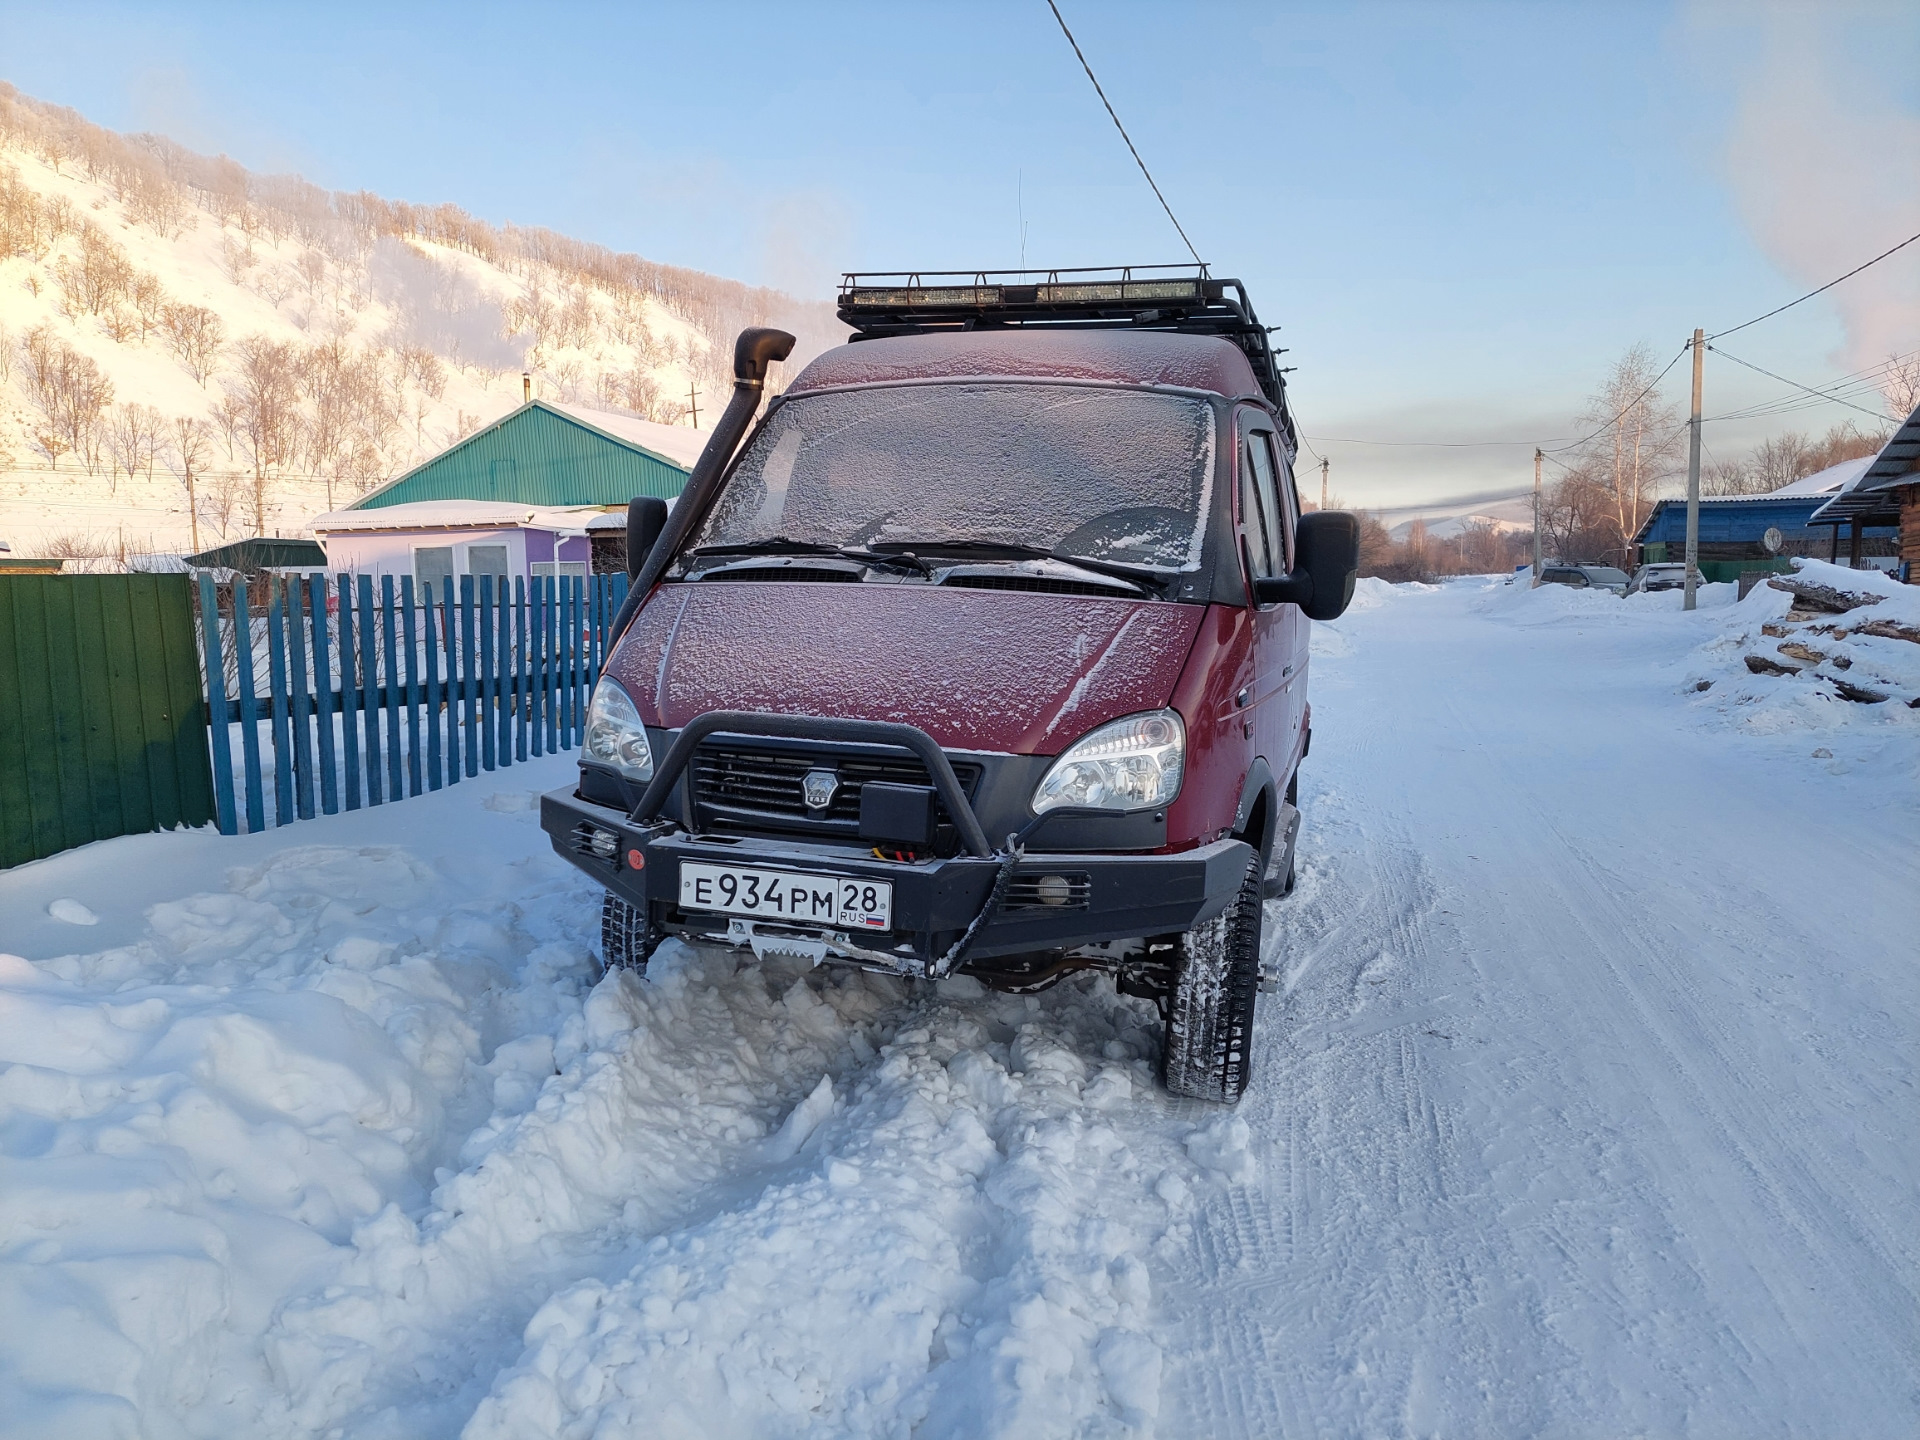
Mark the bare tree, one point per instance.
(1789, 456)
(133, 435)
(1637, 435)
(221, 496)
(149, 298)
(196, 334)
(70, 393)
(189, 446)
(1901, 385)
(268, 425)
(97, 278)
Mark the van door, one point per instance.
(1280, 632)
(1263, 544)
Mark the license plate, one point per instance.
(794, 895)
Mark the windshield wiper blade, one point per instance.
(781, 545)
(1013, 550)
(772, 545)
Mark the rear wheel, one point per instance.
(1208, 1053)
(626, 937)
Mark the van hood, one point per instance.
(1000, 670)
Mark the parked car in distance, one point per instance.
(986, 654)
(1586, 577)
(1666, 575)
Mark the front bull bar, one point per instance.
(860, 732)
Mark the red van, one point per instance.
(984, 654)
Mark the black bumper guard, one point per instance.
(1204, 875)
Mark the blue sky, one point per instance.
(1460, 214)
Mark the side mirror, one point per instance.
(1326, 558)
(646, 518)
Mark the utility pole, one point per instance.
(1537, 458)
(693, 403)
(1693, 477)
(1323, 482)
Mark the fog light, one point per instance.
(604, 843)
(1053, 890)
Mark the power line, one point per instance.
(1419, 444)
(1855, 385)
(1795, 383)
(1576, 444)
(1811, 293)
(1123, 132)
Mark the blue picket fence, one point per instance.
(370, 694)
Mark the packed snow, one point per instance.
(1587, 1106)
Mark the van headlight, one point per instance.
(615, 736)
(1130, 764)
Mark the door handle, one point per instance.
(1286, 672)
(1240, 700)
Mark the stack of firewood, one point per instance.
(1800, 652)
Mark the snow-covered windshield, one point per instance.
(1104, 473)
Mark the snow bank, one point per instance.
(351, 1141)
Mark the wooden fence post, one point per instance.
(349, 694)
(316, 587)
(214, 658)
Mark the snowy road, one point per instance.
(1589, 1109)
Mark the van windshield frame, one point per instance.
(1115, 473)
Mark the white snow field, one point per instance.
(1588, 1109)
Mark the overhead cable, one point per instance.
(1123, 132)
(1625, 409)
(1811, 293)
(1795, 383)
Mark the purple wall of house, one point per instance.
(539, 546)
(575, 547)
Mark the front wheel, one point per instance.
(626, 936)
(1208, 1053)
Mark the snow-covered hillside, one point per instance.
(1586, 1109)
(161, 311)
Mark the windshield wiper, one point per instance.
(782, 545)
(1013, 550)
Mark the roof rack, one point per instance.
(1182, 298)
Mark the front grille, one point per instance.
(740, 788)
(1059, 890)
(1043, 584)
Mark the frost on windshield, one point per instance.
(1103, 473)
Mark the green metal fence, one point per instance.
(103, 730)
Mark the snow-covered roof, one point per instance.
(460, 515)
(1828, 481)
(1897, 464)
(681, 444)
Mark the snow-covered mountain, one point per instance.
(162, 312)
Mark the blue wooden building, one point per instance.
(1733, 533)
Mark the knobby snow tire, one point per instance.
(1208, 1054)
(626, 939)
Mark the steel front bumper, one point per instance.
(1107, 897)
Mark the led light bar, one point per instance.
(906, 298)
(1118, 291)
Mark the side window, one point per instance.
(431, 565)
(487, 560)
(1275, 487)
(1253, 519)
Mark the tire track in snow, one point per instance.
(954, 1249)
